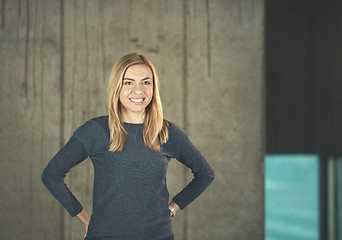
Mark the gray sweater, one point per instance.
(130, 196)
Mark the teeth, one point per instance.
(138, 100)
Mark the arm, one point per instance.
(190, 156)
(71, 154)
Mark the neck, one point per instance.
(133, 117)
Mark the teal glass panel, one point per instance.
(292, 197)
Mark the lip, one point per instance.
(137, 103)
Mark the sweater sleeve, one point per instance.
(190, 156)
(71, 154)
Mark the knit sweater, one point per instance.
(130, 196)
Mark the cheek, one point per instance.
(150, 96)
(124, 93)
(151, 92)
(122, 97)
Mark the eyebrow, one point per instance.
(146, 78)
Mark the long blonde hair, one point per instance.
(155, 130)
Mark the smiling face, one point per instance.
(136, 92)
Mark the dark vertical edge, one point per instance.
(323, 197)
(30, 200)
(18, 24)
(185, 102)
(34, 30)
(86, 38)
(208, 37)
(25, 84)
(68, 234)
(41, 94)
(88, 113)
(33, 72)
(3, 11)
(102, 37)
(272, 82)
(61, 84)
(263, 114)
(270, 101)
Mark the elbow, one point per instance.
(47, 176)
(206, 177)
(44, 177)
(51, 175)
(211, 176)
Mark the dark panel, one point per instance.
(303, 77)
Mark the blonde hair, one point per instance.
(155, 130)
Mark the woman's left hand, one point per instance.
(175, 207)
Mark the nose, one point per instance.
(138, 89)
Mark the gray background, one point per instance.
(55, 61)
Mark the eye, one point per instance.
(127, 83)
(146, 83)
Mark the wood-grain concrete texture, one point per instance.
(55, 61)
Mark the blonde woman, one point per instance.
(130, 149)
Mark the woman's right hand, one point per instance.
(84, 219)
(86, 230)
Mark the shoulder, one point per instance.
(93, 126)
(93, 134)
(175, 131)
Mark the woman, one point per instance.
(130, 149)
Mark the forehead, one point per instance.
(138, 71)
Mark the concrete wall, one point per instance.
(55, 60)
